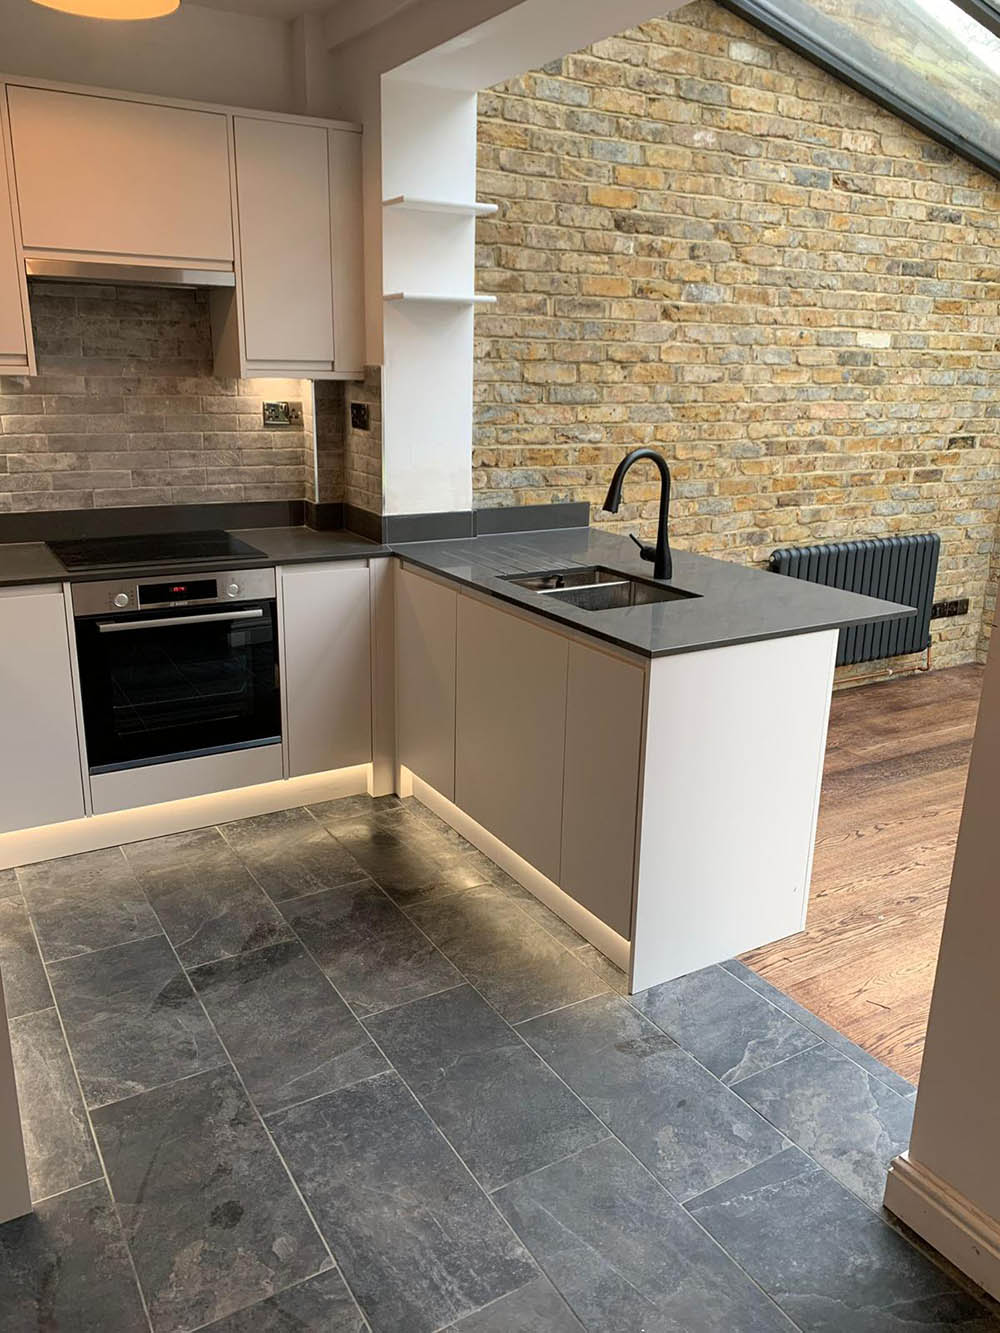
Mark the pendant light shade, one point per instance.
(113, 9)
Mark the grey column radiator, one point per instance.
(898, 569)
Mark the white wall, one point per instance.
(206, 55)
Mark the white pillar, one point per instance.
(947, 1187)
(429, 153)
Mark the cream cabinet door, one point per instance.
(326, 666)
(604, 713)
(104, 176)
(40, 772)
(13, 341)
(283, 193)
(510, 726)
(426, 625)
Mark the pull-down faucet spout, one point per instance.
(663, 565)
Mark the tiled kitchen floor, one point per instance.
(331, 1070)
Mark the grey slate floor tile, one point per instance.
(411, 862)
(209, 1214)
(64, 1269)
(57, 1140)
(726, 1026)
(85, 902)
(288, 1032)
(498, 1105)
(25, 987)
(829, 1034)
(206, 900)
(321, 1305)
(417, 1240)
(841, 1116)
(830, 1263)
(518, 966)
(351, 809)
(132, 1020)
(289, 854)
(610, 973)
(9, 887)
(627, 1257)
(371, 952)
(688, 1129)
(536, 1308)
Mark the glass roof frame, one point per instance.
(767, 17)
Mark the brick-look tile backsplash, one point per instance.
(125, 409)
(708, 245)
(349, 461)
(363, 449)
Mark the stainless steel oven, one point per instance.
(174, 668)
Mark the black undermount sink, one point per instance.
(595, 588)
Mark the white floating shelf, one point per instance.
(438, 298)
(453, 206)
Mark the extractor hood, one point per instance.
(142, 275)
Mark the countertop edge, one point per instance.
(500, 594)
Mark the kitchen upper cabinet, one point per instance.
(326, 667)
(40, 777)
(426, 627)
(299, 205)
(604, 721)
(13, 330)
(283, 193)
(103, 176)
(510, 726)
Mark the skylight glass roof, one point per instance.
(929, 58)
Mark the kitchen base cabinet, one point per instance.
(666, 806)
(510, 721)
(604, 715)
(426, 628)
(326, 669)
(40, 776)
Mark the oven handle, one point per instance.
(172, 622)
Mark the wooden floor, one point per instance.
(892, 796)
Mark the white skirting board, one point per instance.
(946, 1220)
(151, 821)
(601, 936)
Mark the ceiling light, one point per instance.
(113, 9)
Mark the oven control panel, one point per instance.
(156, 592)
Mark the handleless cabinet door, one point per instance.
(604, 712)
(426, 623)
(40, 777)
(326, 667)
(104, 176)
(510, 725)
(13, 341)
(283, 192)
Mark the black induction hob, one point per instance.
(178, 550)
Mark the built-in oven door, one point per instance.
(165, 685)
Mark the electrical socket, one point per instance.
(957, 606)
(360, 416)
(283, 415)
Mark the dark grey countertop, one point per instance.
(735, 604)
(33, 562)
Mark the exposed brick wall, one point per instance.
(126, 410)
(708, 245)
